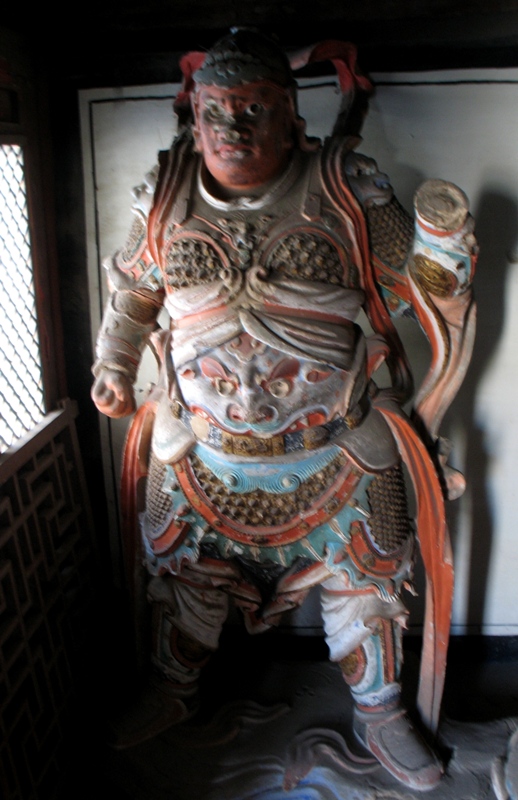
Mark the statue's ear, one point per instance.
(194, 105)
(194, 127)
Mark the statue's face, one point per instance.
(247, 387)
(244, 133)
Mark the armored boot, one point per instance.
(381, 723)
(170, 695)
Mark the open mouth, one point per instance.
(236, 150)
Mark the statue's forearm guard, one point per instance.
(129, 318)
(136, 295)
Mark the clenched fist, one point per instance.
(113, 394)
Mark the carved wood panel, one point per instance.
(47, 570)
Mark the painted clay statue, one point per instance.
(271, 460)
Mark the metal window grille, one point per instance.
(21, 391)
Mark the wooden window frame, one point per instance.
(24, 122)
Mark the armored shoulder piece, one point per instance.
(390, 228)
(391, 233)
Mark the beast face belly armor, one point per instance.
(265, 445)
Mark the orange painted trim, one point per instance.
(132, 499)
(187, 321)
(389, 651)
(367, 559)
(435, 232)
(168, 542)
(434, 542)
(400, 286)
(304, 313)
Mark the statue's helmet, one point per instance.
(245, 56)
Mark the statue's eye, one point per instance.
(360, 167)
(188, 374)
(224, 387)
(365, 168)
(280, 387)
(317, 375)
(253, 109)
(213, 109)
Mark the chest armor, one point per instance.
(292, 231)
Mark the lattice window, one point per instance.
(21, 391)
(47, 574)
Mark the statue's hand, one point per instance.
(113, 394)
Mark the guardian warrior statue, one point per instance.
(271, 460)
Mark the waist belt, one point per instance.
(241, 445)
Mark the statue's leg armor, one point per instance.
(187, 618)
(186, 622)
(372, 671)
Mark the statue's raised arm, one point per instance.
(423, 266)
(136, 297)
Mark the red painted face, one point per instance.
(244, 133)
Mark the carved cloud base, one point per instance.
(257, 747)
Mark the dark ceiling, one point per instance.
(138, 39)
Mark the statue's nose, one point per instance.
(232, 135)
(254, 415)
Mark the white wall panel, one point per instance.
(456, 125)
